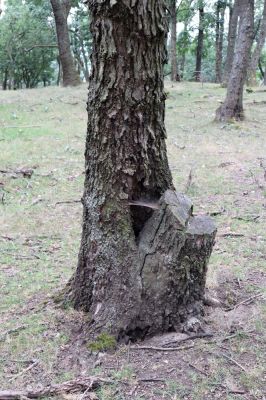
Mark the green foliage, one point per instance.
(103, 342)
(24, 31)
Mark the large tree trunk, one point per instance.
(232, 33)
(254, 60)
(174, 72)
(233, 104)
(220, 11)
(199, 52)
(61, 10)
(143, 257)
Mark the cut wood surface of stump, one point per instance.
(174, 249)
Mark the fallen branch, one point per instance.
(198, 336)
(10, 331)
(229, 391)
(74, 386)
(247, 219)
(68, 202)
(162, 348)
(151, 380)
(231, 360)
(246, 301)
(197, 369)
(231, 234)
(24, 370)
(26, 172)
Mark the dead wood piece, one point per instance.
(230, 359)
(229, 391)
(25, 172)
(216, 213)
(198, 336)
(247, 219)
(198, 369)
(231, 234)
(74, 386)
(246, 301)
(189, 181)
(24, 371)
(68, 202)
(162, 348)
(10, 331)
(211, 301)
(151, 380)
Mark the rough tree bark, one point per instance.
(143, 256)
(61, 9)
(174, 71)
(200, 44)
(220, 11)
(254, 60)
(232, 33)
(232, 108)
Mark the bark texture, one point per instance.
(254, 61)
(127, 174)
(174, 71)
(61, 9)
(232, 108)
(200, 45)
(232, 33)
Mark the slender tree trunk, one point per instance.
(61, 10)
(5, 79)
(254, 60)
(174, 72)
(264, 80)
(183, 54)
(220, 11)
(143, 257)
(261, 69)
(233, 104)
(59, 71)
(232, 34)
(198, 71)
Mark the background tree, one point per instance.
(255, 57)
(61, 9)
(141, 269)
(220, 11)
(81, 41)
(173, 53)
(233, 104)
(200, 41)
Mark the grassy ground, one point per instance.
(40, 219)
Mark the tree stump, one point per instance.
(174, 249)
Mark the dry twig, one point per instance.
(230, 359)
(162, 348)
(10, 331)
(24, 371)
(246, 301)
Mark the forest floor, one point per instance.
(222, 167)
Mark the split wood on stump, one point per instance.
(143, 256)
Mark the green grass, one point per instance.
(39, 239)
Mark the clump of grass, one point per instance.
(103, 342)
